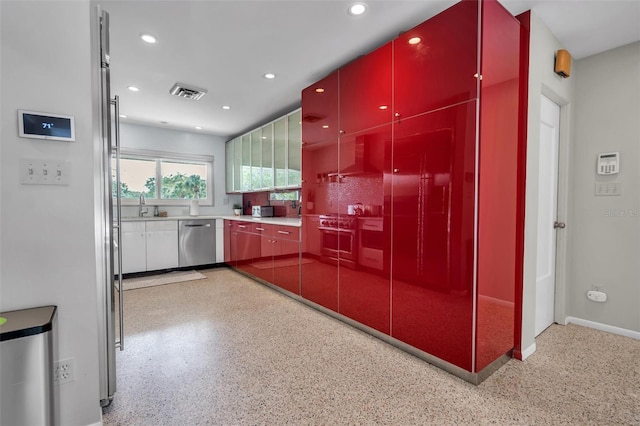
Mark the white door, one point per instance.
(547, 214)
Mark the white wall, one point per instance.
(48, 244)
(161, 139)
(542, 79)
(605, 238)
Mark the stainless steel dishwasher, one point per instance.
(197, 242)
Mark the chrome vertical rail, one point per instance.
(108, 369)
(117, 226)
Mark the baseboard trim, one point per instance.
(603, 327)
(527, 352)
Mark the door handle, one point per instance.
(560, 225)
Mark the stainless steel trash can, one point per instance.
(27, 350)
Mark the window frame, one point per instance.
(158, 157)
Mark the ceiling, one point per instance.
(226, 46)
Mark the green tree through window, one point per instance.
(164, 178)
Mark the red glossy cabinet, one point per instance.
(432, 224)
(410, 214)
(227, 241)
(286, 258)
(363, 274)
(320, 113)
(436, 63)
(365, 91)
(266, 251)
(498, 229)
(320, 182)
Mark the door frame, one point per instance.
(563, 207)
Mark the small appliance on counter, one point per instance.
(262, 211)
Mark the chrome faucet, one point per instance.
(142, 211)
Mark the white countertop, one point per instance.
(287, 221)
(147, 218)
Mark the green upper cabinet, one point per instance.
(266, 158)
(229, 164)
(294, 149)
(280, 152)
(237, 160)
(245, 172)
(256, 160)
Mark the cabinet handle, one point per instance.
(284, 232)
(259, 229)
(396, 170)
(341, 132)
(397, 114)
(242, 226)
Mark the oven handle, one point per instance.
(336, 230)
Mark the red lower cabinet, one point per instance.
(247, 246)
(262, 267)
(227, 241)
(286, 258)
(267, 251)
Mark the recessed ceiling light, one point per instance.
(123, 116)
(198, 127)
(133, 88)
(148, 38)
(319, 90)
(226, 107)
(357, 9)
(270, 76)
(415, 40)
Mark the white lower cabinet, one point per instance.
(162, 245)
(149, 245)
(134, 247)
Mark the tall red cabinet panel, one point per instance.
(432, 225)
(498, 183)
(365, 91)
(319, 280)
(436, 64)
(320, 110)
(364, 282)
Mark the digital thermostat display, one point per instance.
(40, 125)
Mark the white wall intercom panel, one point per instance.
(608, 163)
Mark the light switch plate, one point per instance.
(44, 172)
(608, 188)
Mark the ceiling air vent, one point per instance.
(186, 91)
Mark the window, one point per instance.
(284, 195)
(164, 178)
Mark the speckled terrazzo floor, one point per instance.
(228, 351)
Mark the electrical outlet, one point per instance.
(63, 371)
